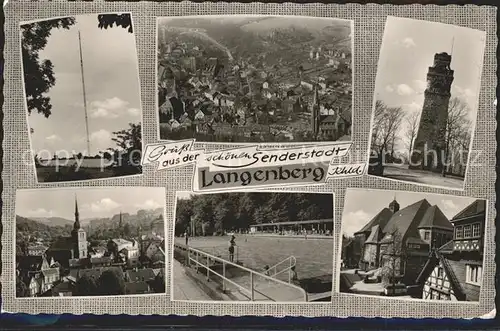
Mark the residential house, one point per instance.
(131, 254)
(137, 288)
(117, 245)
(454, 271)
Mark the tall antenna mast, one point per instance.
(452, 44)
(84, 95)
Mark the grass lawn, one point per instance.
(62, 174)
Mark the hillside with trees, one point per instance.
(213, 214)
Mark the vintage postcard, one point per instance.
(426, 102)
(253, 247)
(247, 78)
(90, 242)
(231, 159)
(81, 88)
(411, 245)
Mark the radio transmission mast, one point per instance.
(84, 95)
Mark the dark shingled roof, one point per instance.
(434, 217)
(62, 243)
(100, 260)
(380, 219)
(402, 220)
(475, 208)
(92, 273)
(141, 275)
(327, 118)
(136, 288)
(29, 262)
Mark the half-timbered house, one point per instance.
(454, 271)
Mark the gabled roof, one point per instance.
(141, 275)
(436, 258)
(402, 220)
(100, 260)
(380, 219)
(475, 208)
(327, 119)
(433, 218)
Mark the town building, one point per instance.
(64, 249)
(454, 271)
(430, 140)
(38, 273)
(402, 239)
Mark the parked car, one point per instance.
(396, 289)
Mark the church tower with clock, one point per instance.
(429, 145)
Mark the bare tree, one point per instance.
(411, 121)
(457, 126)
(386, 123)
(393, 257)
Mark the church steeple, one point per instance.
(76, 225)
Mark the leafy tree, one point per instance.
(86, 285)
(129, 146)
(183, 216)
(109, 20)
(38, 74)
(111, 283)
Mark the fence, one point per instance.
(201, 259)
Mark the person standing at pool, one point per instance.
(232, 243)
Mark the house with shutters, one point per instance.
(454, 271)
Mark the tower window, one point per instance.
(427, 235)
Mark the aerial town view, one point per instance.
(99, 251)
(255, 79)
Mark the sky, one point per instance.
(408, 49)
(92, 202)
(111, 84)
(184, 195)
(356, 215)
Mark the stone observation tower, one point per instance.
(428, 150)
